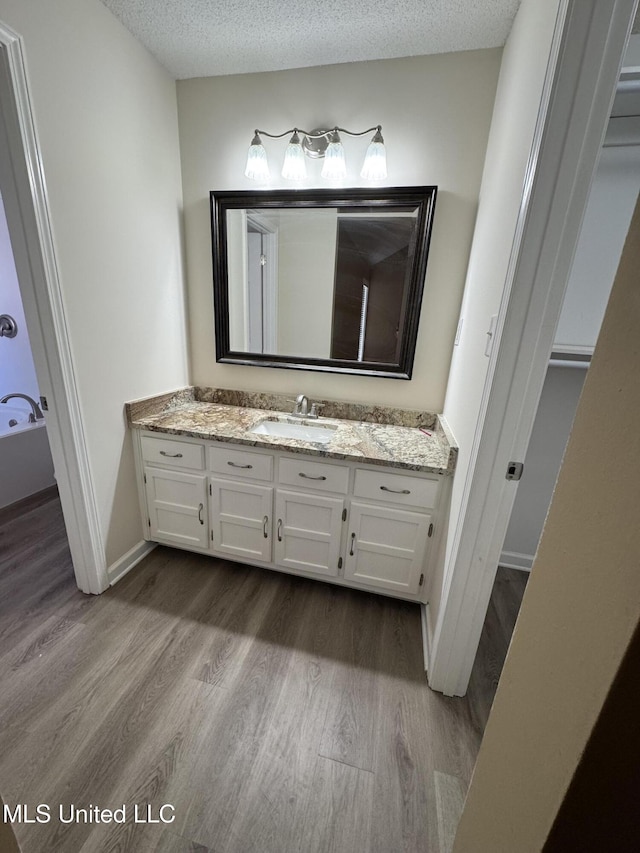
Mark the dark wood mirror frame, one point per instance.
(421, 198)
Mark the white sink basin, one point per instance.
(304, 432)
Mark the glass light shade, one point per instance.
(334, 166)
(374, 167)
(257, 166)
(294, 168)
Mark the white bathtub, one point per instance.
(26, 466)
(13, 420)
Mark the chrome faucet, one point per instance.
(302, 410)
(36, 411)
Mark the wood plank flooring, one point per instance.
(504, 605)
(275, 714)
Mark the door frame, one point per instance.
(27, 207)
(583, 70)
(269, 234)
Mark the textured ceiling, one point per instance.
(205, 38)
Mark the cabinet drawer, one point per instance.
(170, 453)
(240, 463)
(396, 488)
(316, 476)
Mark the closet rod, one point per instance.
(561, 360)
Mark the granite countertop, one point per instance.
(219, 415)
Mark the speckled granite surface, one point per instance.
(328, 408)
(210, 414)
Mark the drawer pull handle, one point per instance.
(200, 518)
(353, 540)
(172, 455)
(235, 465)
(309, 477)
(279, 530)
(396, 491)
(265, 521)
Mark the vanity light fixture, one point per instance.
(319, 143)
(257, 167)
(334, 166)
(294, 168)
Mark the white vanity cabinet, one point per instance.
(310, 513)
(176, 501)
(364, 526)
(177, 507)
(387, 545)
(241, 519)
(240, 503)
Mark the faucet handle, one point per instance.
(314, 409)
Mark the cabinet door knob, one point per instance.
(172, 455)
(279, 530)
(396, 491)
(200, 518)
(353, 540)
(265, 521)
(309, 477)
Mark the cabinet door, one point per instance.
(386, 547)
(241, 519)
(308, 532)
(177, 507)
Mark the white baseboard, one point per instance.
(119, 569)
(513, 560)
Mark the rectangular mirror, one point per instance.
(326, 280)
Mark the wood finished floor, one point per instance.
(275, 714)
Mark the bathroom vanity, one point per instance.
(353, 502)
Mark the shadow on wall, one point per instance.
(124, 505)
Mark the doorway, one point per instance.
(25, 201)
(25, 454)
(262, 284)
(373, 258)
(612, 199)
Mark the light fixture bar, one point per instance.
(318, 143)
(314, 134)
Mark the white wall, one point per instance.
(17, 371)
(435, 112)
(632, 53)
(613, 196)
(106, 117)
(522, 75)
(305, 304)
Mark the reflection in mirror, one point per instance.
(320, 281)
